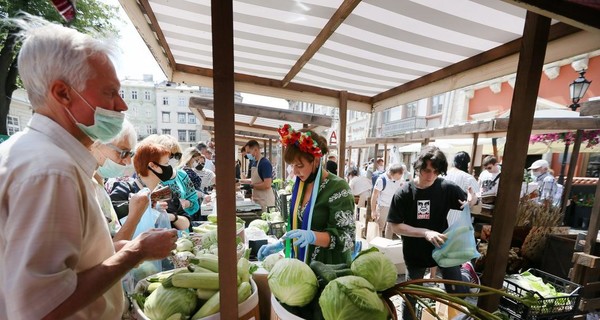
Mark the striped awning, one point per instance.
(373, 49)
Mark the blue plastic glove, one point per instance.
(303, 237)
(269, 249)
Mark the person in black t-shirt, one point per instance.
(418, 212)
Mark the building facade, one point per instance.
(140, 97)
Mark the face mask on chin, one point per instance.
(313, 174)
(107, 123)
(167, 172)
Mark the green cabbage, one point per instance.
(261, 224)
(293, 282)
(351, 297)
(376, 268)
(270, 261)
(163, 303)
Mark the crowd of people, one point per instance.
(70, 227)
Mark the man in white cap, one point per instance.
(547, 186)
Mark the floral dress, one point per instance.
(334, 214)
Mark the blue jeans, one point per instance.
(452, 273)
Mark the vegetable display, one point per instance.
(351, 297)
(376, 268)
(190, 293)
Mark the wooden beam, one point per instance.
(586, 260)
(222, 50)
(473, 152)
(343, 95)
(267, 82)
(252, 121)
(385, 155)
(245, 126)
(266, 112)
(571, 172)
(590, 108)
(554, 124)
(557, 31)
(590, 239)
(248, 134)
(270, 150)
(581, 14)
(343, 11)
(154, 26)
(529, 72)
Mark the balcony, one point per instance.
(397, 127)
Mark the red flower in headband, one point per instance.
(302, 140)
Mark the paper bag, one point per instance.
(373, 231)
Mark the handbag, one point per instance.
(372, 231)
(460, 245)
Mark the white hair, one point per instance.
(52, 52)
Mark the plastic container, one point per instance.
(546, 308)
(278, 312)
(246, 310)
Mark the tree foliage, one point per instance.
(92, 17)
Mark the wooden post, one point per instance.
(358, 164)
(529, 70)
(473, 152)
(349, 159)
(385, 155)
(376, 151)
(569, 182)
(425, 143)
(222, 44)
(590, 239)
(342, 131)
(270, 150)
(283, 166)
(495, 148)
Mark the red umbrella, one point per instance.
(66, 8)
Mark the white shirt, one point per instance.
(463, 180)
(207, 176)
(51, 225)
(360, 184)
(487, 185)
(391, 186)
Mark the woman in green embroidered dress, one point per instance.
(322, 206)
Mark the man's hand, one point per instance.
(185, 203)
(155, 244)
(139, 202)
(436, 238)
(375, 214)
(471, 197)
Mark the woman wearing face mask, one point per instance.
(322, 204)
(151, 163)
(185, 199)
(114, 160)
(189, 160)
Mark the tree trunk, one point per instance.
(8, 77)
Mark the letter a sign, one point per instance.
(333, 139)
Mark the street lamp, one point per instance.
(578, 88)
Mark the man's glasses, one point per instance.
(177, 156)
(489, 168)
(122, 153)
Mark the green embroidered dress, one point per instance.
(333, 213)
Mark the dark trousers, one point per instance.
(452, 273)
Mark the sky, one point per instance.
(136, 60)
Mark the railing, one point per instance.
(400, 126)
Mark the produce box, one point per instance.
(536, 306)
(391, 249)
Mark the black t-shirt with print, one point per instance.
(424, 208)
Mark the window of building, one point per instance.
(165, 101)
(166, 131)
(192, 135)
(411, 110)
(122, 93)
(149, 129)
(191, 118)
(147, 95)
(166, 117)
(12, 125)
(437, 102)
(182, 135)
(180, 117)
(148, 113)
(182, 101)
(133, 94)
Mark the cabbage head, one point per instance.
(351, 297)
(271, 260)
(376, 268)
(293, 282)
(261, 224)
(163, 303)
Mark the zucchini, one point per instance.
(323, 271)
(210, 307)
(205, 294)
(209, 262)
(244, 291)
(196, 280)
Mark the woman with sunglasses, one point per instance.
(114, 160)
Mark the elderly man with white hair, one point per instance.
(547, 185)
(57, 259)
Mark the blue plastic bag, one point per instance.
(460, 246)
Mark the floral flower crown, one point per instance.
(302, 140)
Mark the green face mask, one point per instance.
(107, 123)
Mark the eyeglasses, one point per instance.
(177, 156)
(122, 153)
(489, 168)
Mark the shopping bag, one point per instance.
(460, 246)
(372, 231)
